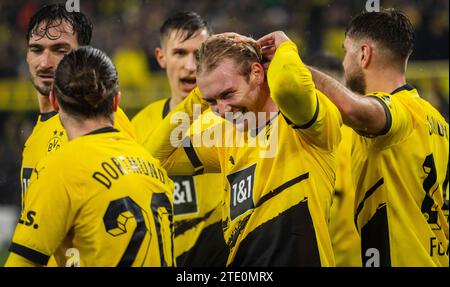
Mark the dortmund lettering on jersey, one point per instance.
(48, 136)
(197, 203)
(402, 206)
(103, 196)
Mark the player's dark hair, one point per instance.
(52, 16)
(86, 82)
(389, 27)
(187, 22)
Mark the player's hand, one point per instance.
(269, 45)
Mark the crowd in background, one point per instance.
(129, 31)
(134, 24)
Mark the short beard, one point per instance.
(44, 89)
(356, 82)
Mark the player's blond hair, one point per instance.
(216, 49)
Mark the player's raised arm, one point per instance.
(170, 143)
(365, 114)
(289, 80)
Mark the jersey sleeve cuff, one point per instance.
(192, 155)
(388, 126)
(308, 124)
(30, 254)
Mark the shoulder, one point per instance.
(153, 110)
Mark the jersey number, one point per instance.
(121, 210)
(429, 207)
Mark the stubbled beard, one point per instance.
(356, 82)
(43, 89)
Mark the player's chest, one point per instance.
(251, 178)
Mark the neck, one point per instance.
(174, 101)
(44, 104)
(79, 127)
(384, 80)
(268, 106)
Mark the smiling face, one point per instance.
(227, 91)
(46, 51)
(177, 56)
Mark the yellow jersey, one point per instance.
(279, 180)
(401, 181)
(199, 239)
(344, 236)
(102, 200)
(48, 136)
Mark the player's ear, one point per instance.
(160, 57)
(116, 101)
(366, 55)
(53, 100)
(257, 73)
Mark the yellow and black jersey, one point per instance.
(277, 205)
(344, 236)
(401, 181)
(199, 239)
(102, 200)
(279, 179)
(145, 121)
(48, 136)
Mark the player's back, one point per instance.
(402, 189)
(110, 201)
(48, 136)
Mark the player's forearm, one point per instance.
(15, 260)
(165, 143)
(358, 112)
(291, 85)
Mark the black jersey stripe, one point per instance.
(211, 242)
(192, 155)
(288, 239)
(371, 190)
(46, 116)
(30, 254)
(282, 187)
(166, 108)
(255, 132)
(406, 87)
(182, 226)
(308, 124)
(388, 125)
(375, 238)
(102, 131)
(231, 242)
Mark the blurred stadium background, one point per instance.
(128, 30)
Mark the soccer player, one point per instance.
(102, 200)
(344, 236)
(199, 239)
(400, 146)
(277, 201)
(52, 32)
